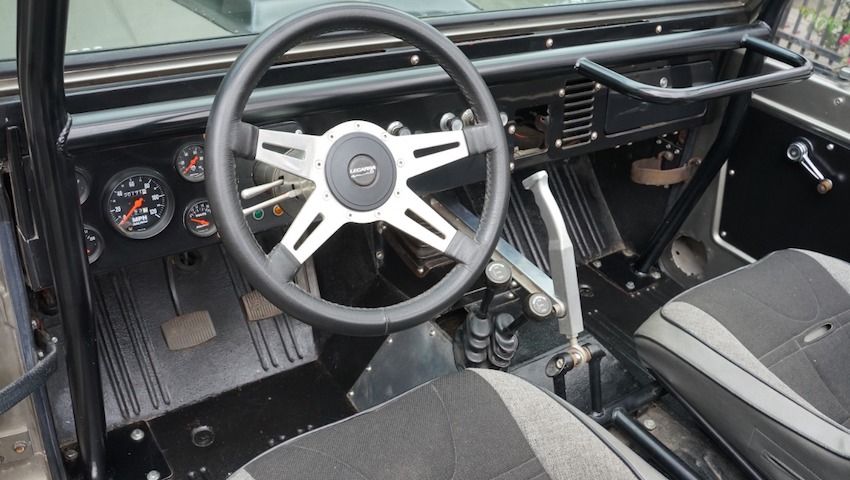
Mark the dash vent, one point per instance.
(578, 112)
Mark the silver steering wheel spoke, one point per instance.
(415, 217)
(294, 153)
(318, 220)
(423, 152)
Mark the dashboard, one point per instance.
(140, 167)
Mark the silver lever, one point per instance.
(561, 258)
(798, 152)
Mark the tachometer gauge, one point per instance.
(139, 203)
(198, 219)
(190, 162)
(94, 243)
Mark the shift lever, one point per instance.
(567, 303)
(479, 326)
(497, 277)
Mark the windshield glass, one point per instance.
(116, 24)
(7, 29)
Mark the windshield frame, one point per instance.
(85, 69)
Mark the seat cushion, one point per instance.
(477, 424)
(761, 353)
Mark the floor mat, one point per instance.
(143, 378)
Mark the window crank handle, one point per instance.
(799, 152)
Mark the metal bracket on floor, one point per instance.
(618, 268)
(15, 447)
(131, 452)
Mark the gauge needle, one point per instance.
(200, 222)
(136, 204)
(191, 164)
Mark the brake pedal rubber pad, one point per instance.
(189, 330)
(257, 307)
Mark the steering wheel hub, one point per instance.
(360, 170)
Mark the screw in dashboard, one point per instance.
(414, 60)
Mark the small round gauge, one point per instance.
(139, 203)
(83, 185)
(198, 219)
(94, 243)
(190, 162)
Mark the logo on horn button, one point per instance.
(363, 170)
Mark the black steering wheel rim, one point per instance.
(228, 135)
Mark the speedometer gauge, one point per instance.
(139, 203)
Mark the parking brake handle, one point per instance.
(567, 304)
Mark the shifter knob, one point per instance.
(537, 307)
(497, 276)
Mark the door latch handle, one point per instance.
(799, 152)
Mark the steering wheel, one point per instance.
(360, 174)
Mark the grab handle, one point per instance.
(802, 69)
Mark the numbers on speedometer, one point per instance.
(139, 204)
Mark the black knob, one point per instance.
(497, 275)
(537, 306)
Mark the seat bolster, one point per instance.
(713, 334)
(675, 351)
(567, 442)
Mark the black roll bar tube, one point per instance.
(42, 25)
(727, 137)
(802, 69)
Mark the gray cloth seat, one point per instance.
(475, 424)
(762, 354)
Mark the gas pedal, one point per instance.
(257, 307)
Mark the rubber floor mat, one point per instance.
(142, 378)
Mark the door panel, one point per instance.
(770, 203)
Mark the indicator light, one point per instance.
(259, 214)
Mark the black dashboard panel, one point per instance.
(625, 113)
(545, 101)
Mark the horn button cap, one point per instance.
(360, 171)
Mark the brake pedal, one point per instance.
(257, 307)
(189, 330)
